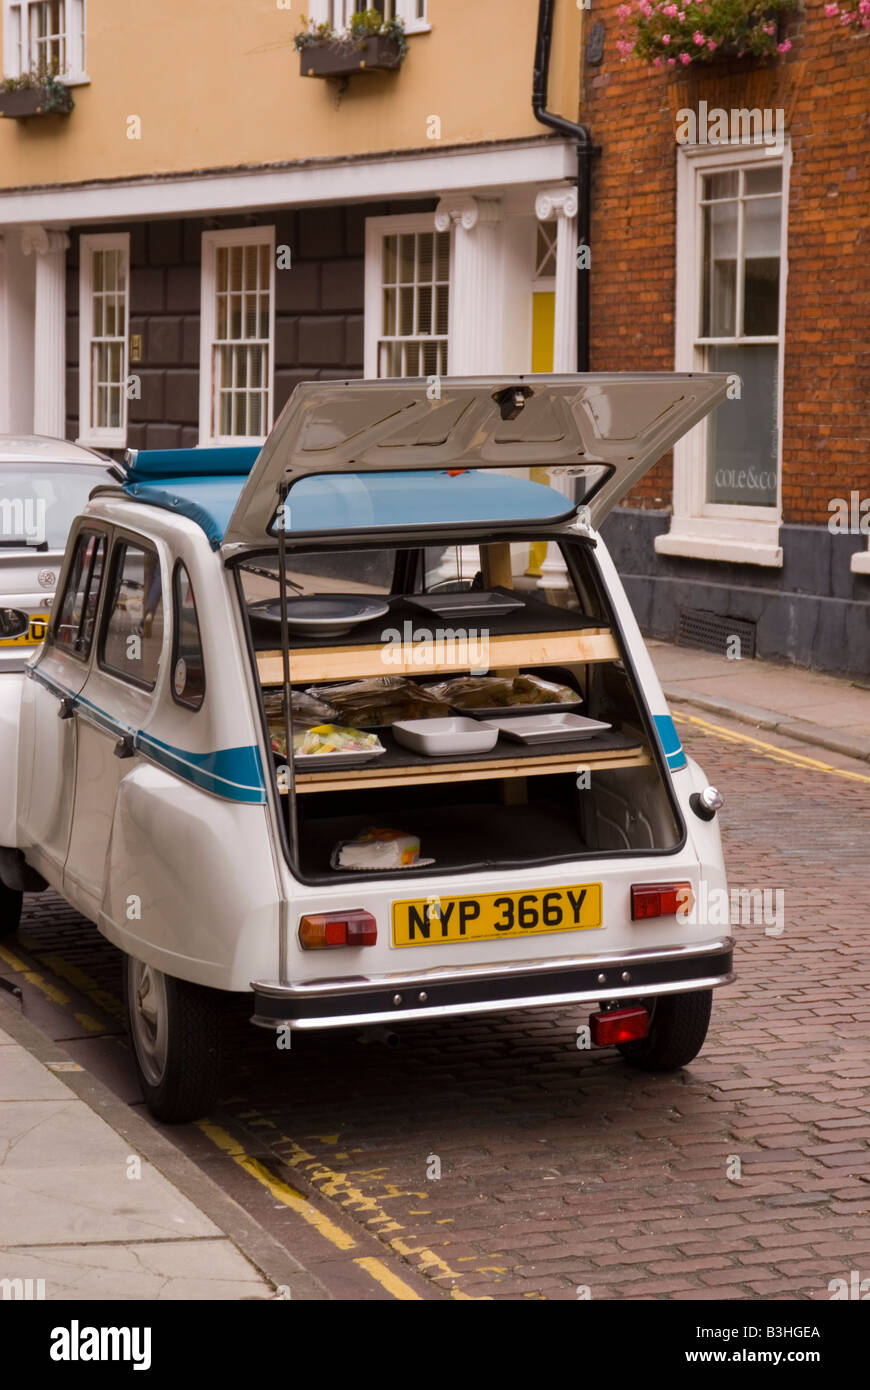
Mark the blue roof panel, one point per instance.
(154, 465)
(336, 502)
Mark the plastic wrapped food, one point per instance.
(491, 692)
(326, 738)
(307, 708)
(379, 849)
(382, 700)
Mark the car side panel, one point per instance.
(190, 883)
(10, 722)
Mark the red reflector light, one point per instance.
(618, 1026)
(660, 899)
(320, 931)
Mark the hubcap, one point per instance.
(149, 1019)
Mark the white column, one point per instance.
(16, 336)
(560, 205)
(476, 287)
(49, 339)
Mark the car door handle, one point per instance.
(125, 748)
(67, 708)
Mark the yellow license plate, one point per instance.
(33, 636)
(495, 916)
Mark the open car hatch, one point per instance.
(608, 428)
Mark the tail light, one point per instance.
(618, 1026)
(321, 931)
(660, 900)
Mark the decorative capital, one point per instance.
(42, 240)
(552, 203)
(466, 212)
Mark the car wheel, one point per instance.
(678, 1027)
(175, 1032)
(10, 909)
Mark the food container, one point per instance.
(438, 738)
(547, 728)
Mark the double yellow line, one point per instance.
(771, 750)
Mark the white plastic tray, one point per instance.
(547, 728)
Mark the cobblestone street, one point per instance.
(563, 1171)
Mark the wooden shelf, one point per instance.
(319, 664)
(540, 764)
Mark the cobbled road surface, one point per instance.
(564, 1174)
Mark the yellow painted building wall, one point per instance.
(216, 84)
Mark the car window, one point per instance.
(39, 503)
(188, 668)
(133, 625)
(76, 614)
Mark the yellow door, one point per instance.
(543, 320)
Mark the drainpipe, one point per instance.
(583, 140)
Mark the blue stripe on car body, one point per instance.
(670, 741)
(236, 774)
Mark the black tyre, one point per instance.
(176, 1035)
(10, 909)
(678, 1028)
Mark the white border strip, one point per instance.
(328, 181)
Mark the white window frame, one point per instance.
(701, 529)
(377, 229)
(88, 433)
(338, 13)
(17, 18)
(238, 236)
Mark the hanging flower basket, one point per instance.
(664, 34)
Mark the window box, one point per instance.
(344, 57)
(23, 102)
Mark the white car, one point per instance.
(44, 484)
(520, 856)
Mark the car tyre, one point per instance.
(10, 909)
(175, 1032)
(678, 1028)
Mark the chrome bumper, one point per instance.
(442, 992)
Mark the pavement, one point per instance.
(831, 712)
(96, 1204)
(100, 1204)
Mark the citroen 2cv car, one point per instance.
(361, 726)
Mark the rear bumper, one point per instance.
(441, 993)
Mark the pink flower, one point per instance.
(784, 46)
(712, 45)
(669, 10)
(672, 62)
(657, 62)
(831, 10)
(864, 6)
(681, 16)
(666, 38)
(685, 58)
(623, 12)
(769, 28)
(698, 39)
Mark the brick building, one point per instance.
(693, 544)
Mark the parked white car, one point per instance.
(362, 881)
(44, 484)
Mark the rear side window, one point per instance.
(76, 614)
(133, 626)
(188, 667)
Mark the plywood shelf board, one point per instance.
(544, 765)
(315, 665)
